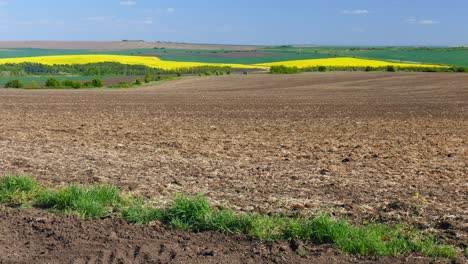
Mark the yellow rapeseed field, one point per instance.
(131, 60)
(170, 65)
(343, 62)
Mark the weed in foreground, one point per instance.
(193, 213)
(18, 190)
(87, 202)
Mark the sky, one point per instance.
(262, 22)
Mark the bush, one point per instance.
(67, 83)
(322, 69)
(97, 83)
(14, 84)
(391, 68)
(71, 84)
(138, 82)
(148, 78)
(52, 83)
(76, 85)
(281, 69)
(122, 85)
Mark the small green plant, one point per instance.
(14, 84)
(18, 189)
(87, 202)
(138, 82)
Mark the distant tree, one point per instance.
(14, 84)
(322, 69)
(391, 68)
(52, 83)
(97, 83)
(138, 82)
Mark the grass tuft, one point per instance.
(18, 190)
(87, 202)
(193, 213)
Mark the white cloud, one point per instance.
(128, 3)
(428, 22)
(356, 12)
(147, 21)
(160, 10)
(96, 19)
(421, 21)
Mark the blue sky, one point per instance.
(270, 22)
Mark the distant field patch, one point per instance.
(124, 59)
(345, 62)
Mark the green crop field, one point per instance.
(446, 56)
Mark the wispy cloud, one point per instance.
(421, 21)
(96, 19)
(128, 3)
(160, 10)
(356, 12)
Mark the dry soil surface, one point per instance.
(365, 146)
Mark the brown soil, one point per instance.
(360, 145)
(117, 45)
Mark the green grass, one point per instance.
(18, 190)
(85, 201)
(193, 213)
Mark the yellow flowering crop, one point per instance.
(344, 62)
(131, 60)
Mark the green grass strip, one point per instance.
(193, 213)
